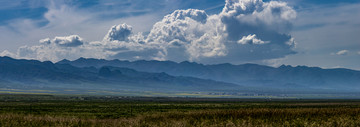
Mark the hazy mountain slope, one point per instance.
(253, 75)
(170, 76)
(46, 74)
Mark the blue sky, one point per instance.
(322, 33)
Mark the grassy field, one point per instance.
(48, 110)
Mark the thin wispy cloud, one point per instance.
(342, 52)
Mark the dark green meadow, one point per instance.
(51, 110)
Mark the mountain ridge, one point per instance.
(32, 73)
(170, 76)
(244, 74)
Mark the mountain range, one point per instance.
(35, 74)
(142, 75)
(284, 77)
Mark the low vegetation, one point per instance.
(46, 110)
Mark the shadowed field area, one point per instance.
(48, 110)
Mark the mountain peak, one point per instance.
(285, 66)
(64, 61)
(189, 63)
(81, 59)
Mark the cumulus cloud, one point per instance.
(187, 35)
(245, 30)
(271, 15)
(119, 33)
(197, 15)
(251, 39)
(7, 53)
(342, 52)
(64, 47)
(55, 49)
(66, 41)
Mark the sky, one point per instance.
(322, 33)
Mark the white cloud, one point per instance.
(342, 52)
(119, 32)
(251, 39)
(197, 15)
(188, 35)
(246, 30)
(67, 41)
(211, 38)
(7, 53)
(272, 15)
(69, 47)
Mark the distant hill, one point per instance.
(283, 78)
(34, 74)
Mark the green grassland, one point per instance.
(62, 110)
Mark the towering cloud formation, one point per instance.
(245, 30)
(187, 35)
